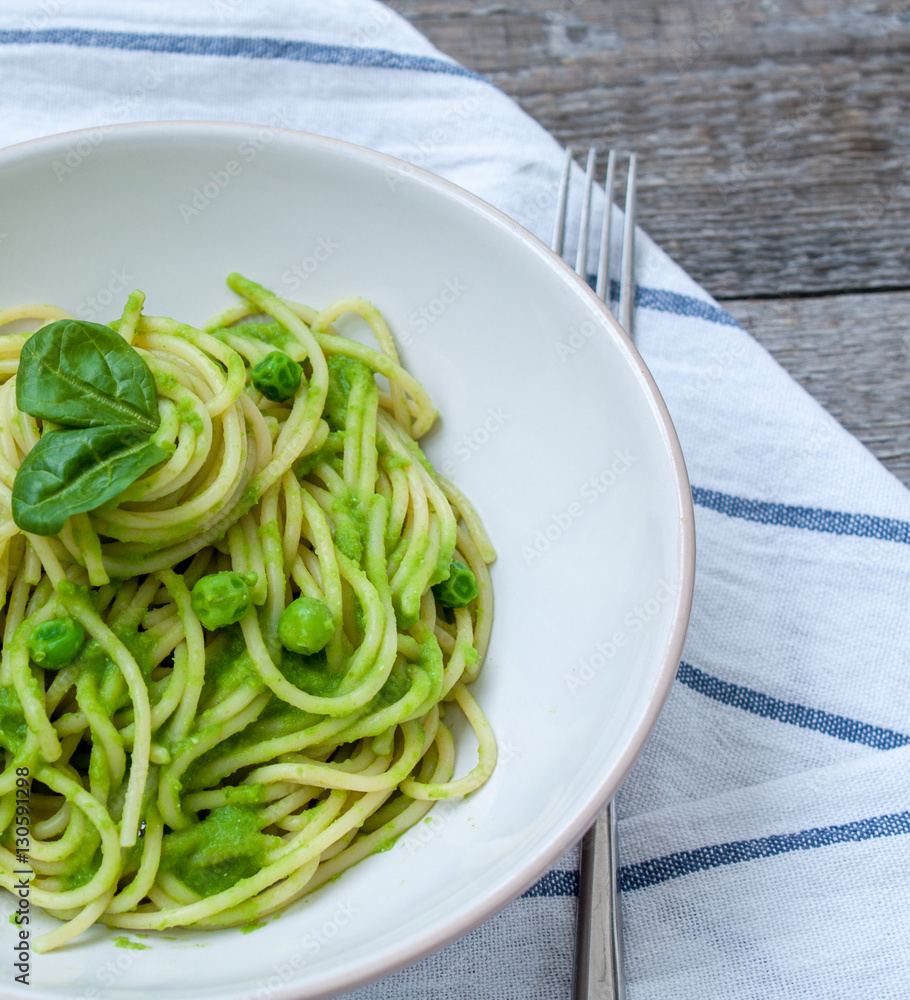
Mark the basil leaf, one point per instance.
(85, 375)
(71, 471)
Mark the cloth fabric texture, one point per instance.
(763, 831)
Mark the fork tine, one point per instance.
(626, 286)
(603, 262)
(581, 257)
(626, 283)
(559, 228)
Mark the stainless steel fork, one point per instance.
(598, 948)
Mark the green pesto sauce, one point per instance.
(140, 645)
(417, 452)
(244, 795)
(221, 749)
(94, 660)
(97, 769)
(396, 686)
(132, 856)
(395, 549)
(111, 685)
(405, 618)
(272, 334)
(329, 452)
(350, 526)
(124, 942)
(84, 863)
(13, 727)
(228, 664)
(189, 416)
(348, 539)
(216, 853)
(396, 462)
(388, 458)
(249, 928)
(278, 718)
(228, 667)
(359, 616)
(343, 372)
(308, 673)
(443, 566)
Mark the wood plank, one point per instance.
(852, 352)
(773, 138)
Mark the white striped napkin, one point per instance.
(762, 830)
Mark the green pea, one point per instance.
(56, 643)
(305, 626)
(459, 589)
(221, 599)
(277, 376)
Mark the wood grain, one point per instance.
(774, 137)
(852, 352)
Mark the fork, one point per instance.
(598, 948)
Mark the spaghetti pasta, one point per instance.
(229, 682)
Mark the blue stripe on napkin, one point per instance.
(235, 46)
(670, 866)
(680, 305)
(664, 300)
(554, 883)
(647, 873)
(838, 726)
(833, 522)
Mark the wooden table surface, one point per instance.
(773, 140)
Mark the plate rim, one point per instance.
(429, 942)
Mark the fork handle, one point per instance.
(598, 949)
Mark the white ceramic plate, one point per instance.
(572, 462)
